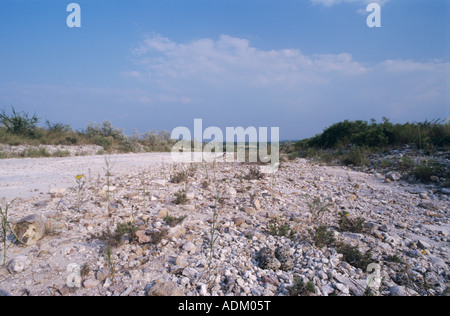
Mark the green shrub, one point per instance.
(323, 237)
(347, 224)
(174, 221)
(302, 289)
(20, 123)
(426, 135)
(355, 156)
(352, 255)
(102, 141)
(181, 197)
(282, 229)
(425, 169)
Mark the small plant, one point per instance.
(110, 260)
(79, 191)
(427, 168)
(181, 197)
(302, 289)
(174, 221)
(406, 163)
(115, 239)
(6, 229)
(317, 208)
(354, 256)
(84, 272)
(355, 156)
(108, 174)
(275, 228)
(212, 239)
(145, 194)
(180, 177)
(205, 184)
(128, 229)
(158, 235)
(352, 225)
(323, 237)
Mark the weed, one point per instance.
(427, 168)
(6, 229)
(50, 229)
(179, 177)
(80, 180)
(174, 221)
(317, 208)
(406, 163)
(275, 228)
(115, 239)
(35, 153)
(323, 237)
(354, 256)
(158, 235)
(351, 225)
(212, 239)
(205, 184)
(110, 260)
(108, 175)
(395, 259)
(302, 289)
(144, 191)
(355, 156)
(181, 197)
(84, 272)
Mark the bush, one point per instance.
(352, 255)
(323, 237)
(301, 289)
(105, 130)
(426, 135)
(351, 225)
(426, 169)
(102, 141)
(19, 123)
(355, 156)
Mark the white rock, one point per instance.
(18, 264)
(190, 247)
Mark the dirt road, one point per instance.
(27, 178)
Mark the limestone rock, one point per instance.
(163, 287)
(394, 176)
(18, 264)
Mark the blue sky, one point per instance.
(300, 65)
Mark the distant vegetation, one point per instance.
(426, 135)
(357, 137)
(21, 128)
(358, 143)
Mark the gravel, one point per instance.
(407, 242)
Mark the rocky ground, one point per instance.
(223, 229)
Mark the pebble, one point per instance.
(246, 259)
(190, 247)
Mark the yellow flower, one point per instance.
(79, 177)
(424, 252)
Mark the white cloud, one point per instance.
(231, 82)
(230, 79)
(233, 61)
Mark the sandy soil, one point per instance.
(28, 178)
